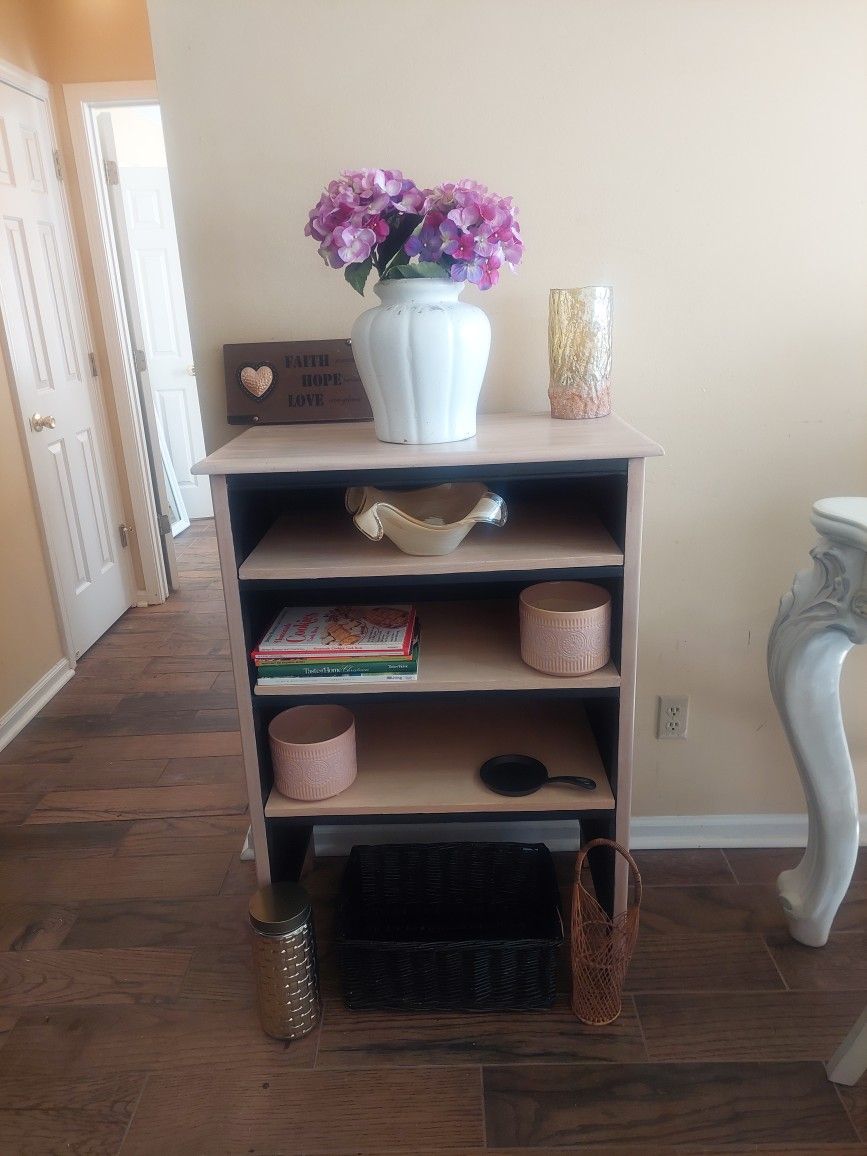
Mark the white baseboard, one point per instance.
(647, 832)
(659, 831)
(29, 705)
(146, 598)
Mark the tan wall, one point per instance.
(706, 159)
(62, 41)
(29, 639)
(18, 38)
(89, 40)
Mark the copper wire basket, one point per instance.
(601, 946)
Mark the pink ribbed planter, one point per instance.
(565, 627)
(313, 751)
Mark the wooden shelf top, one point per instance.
(424, 760)
(465, 646)
(534, 538)
(504, 438)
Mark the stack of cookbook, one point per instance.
(338, 644)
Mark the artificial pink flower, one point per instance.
(462, 248)
(466, 216)
(485, 273)
(378, 224)
(353, 244)
(426, 243)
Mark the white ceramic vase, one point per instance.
(421, 356)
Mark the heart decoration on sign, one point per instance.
(257, 380)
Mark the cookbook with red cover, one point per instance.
(324, 631)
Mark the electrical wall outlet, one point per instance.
(673, 716)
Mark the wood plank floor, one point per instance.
(127, 1021)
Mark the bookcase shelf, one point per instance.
(424, 760)
(465, 646)
(299, 546)
(575, 497)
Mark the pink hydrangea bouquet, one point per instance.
(377, 219)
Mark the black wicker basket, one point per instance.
(449, 926)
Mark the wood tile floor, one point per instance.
(126, 1015)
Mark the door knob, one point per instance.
(191, 370)
(42, 421)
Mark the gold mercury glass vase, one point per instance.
(579, 348)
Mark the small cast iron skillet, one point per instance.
(522, 775)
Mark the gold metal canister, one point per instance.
(284, 960)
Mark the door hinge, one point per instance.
(58, 167)
(112, 176)
(94, 372)
(141, 362)
(164, 523)
(124, 530)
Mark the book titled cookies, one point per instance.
(325, 631)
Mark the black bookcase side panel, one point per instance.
(607, 499)
(288, 846)
(603, 715)
(601, 860)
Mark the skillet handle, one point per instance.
(575, 780)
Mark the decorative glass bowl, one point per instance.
(434, 520)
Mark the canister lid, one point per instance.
(280, 908)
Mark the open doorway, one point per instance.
(121, 157)
(132, 152)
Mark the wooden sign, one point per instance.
(278, 382)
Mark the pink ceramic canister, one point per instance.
(565, 627)
(313, 751)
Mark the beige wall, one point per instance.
(706, 159)
(62, 41)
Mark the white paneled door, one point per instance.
(48, 351)
(147, 204)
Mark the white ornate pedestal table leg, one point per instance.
(820, 620)
(849, 1062)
